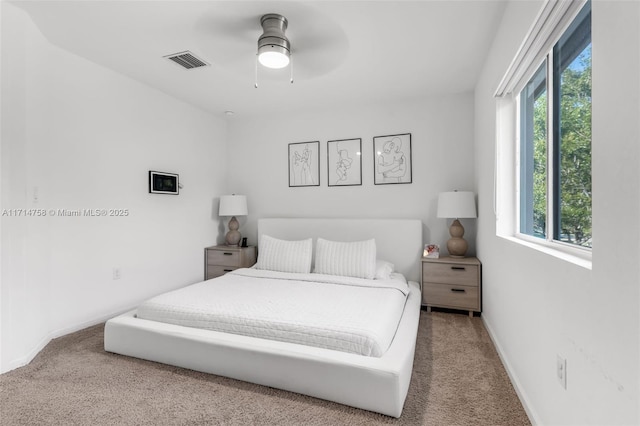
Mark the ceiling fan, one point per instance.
(274, 48)
(232, 36)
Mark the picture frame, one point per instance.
(344, 162)
(304, 164)
(163, 183)
(431, 251)
(392, 159)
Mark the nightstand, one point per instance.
(218, 260)
(450, 282)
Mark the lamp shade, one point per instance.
(457, 204)
(233, 205)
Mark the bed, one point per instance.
(373, 376)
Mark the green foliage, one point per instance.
(540, 165)
(575, 154)
(575, 151)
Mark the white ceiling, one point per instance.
(344, 52)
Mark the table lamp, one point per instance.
(457, 204)
(233, 205)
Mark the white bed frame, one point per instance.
(374, 384)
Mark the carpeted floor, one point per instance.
(457, 380)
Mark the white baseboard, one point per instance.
(533, 418)
(22, 361)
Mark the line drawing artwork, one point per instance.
(392, 159)
(344, 162)
(343, 165)
(304, 163)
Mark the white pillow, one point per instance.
(284, 256)
(356, 259)
(384, 269)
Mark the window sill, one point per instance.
(568, 254)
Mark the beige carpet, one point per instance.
(457, 380)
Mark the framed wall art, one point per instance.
(344, 162)
(392, 159)
(304, 164)
(163, 183)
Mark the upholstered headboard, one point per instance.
(398, 241)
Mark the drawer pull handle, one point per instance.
(457, 290)
(229, 270)
(458, 268)
(228, 254)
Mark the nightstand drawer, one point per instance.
(216, 271)
(450, 273)
(224, 257)
(450, 296)
(218, 260)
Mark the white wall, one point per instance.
(537, 306)
(86, 138)
(442, 158)
(1, 191)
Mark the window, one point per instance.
(533, 155)
(544, 123)
(555, 141)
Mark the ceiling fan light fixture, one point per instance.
(273, 57)
(274, 48)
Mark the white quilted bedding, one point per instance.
(345, 314)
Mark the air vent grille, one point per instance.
(187, 60)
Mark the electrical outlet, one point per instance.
(117, 273)
(561, 371)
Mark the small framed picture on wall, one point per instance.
(392, 159)
(344, 162)
(304, 164)
(163, 183)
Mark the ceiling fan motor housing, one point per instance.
(273, 38)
